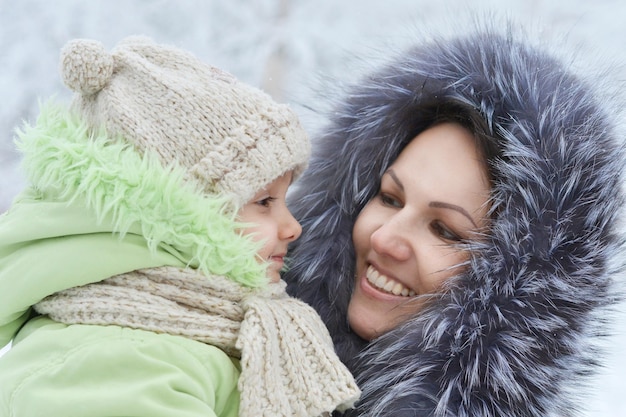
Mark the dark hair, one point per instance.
(454, 111)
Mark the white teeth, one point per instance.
(397, 289)
(383, 283)
(380, 281)
(389, 286)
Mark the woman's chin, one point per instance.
(367, 319)
(373, 312)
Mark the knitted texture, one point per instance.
(289, 367)
(231, 138)
(126, 191)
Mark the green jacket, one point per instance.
(56, 370)
(94, 209)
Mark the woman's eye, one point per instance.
(390, 201)
(444, 232)
(266, 202)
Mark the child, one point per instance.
(134, 269)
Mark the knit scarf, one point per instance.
(288, 365)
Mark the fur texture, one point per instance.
(511, 336)
(62, 155)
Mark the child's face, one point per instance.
(272, 224)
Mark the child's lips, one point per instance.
(278, 259)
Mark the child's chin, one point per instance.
(274, 276)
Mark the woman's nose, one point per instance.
(390, 239)
(290, 228)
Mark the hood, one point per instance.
(96, 208)
(512, 336)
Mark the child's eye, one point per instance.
(444, 232)
(265, 202)
(389, 200)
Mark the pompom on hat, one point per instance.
(230, 138)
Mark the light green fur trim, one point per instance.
(64, 159)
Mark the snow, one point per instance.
(292, 48)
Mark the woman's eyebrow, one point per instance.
(441, 204)
(395, 178)
(437, 204)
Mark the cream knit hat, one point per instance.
(230, 138)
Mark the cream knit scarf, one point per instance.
(288, 365)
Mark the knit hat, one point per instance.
(230, 138)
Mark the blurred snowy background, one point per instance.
(296, 50)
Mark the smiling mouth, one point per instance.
(383, 283)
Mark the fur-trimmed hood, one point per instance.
(90, 195)
(513, 335)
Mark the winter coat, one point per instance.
(49, 244)
(512, 336)
(58, 370)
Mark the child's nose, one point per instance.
(290, 228)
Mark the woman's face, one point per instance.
(431, 198)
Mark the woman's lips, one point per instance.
(387, 285)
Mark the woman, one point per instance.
(458, 230)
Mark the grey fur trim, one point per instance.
(513, 335)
